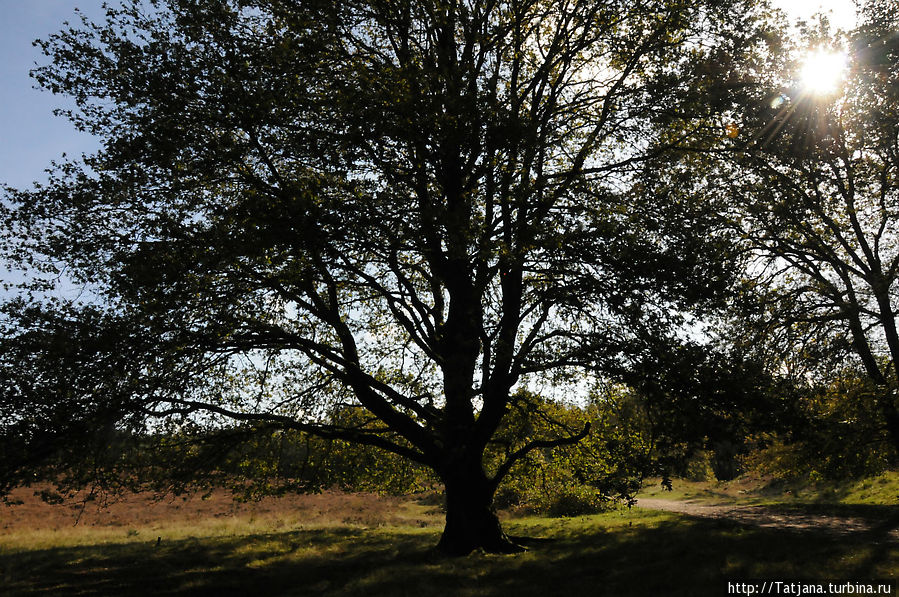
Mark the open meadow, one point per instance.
(362, 544)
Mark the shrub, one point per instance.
(699, 467)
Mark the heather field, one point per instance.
(362, 544)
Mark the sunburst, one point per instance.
(823, 71)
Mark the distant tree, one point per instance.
(814, 188)
(409, 208)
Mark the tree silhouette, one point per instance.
(408, 207)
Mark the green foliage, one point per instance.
(699, 467)
(841, 436)
(604, 467)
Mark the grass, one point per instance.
(882, 490)
(140, 518)
(388, 550)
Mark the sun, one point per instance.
(822, 71)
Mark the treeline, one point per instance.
(254, 461)
(826, 431)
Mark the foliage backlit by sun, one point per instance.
(822, 71)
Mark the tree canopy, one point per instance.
(412, 208)
(814, 193)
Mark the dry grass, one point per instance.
(32, 522)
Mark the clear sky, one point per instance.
(30, 136)
(842, 11)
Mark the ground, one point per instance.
(350, 544)
(835, 521)
(862, 508)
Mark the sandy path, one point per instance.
(766, 516)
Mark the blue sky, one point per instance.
(30, 136)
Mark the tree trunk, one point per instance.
(891, 416)
(471, 521)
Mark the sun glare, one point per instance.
(822, 72)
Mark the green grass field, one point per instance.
(261, 553)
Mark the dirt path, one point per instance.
(767, 516)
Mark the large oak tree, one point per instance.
(410, 207)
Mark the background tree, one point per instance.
(813, 185)
(409, 208)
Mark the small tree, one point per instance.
(408, 208)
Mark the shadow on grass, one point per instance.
(873, 513)
(642, 554)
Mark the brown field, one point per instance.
(77, 520)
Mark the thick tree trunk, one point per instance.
(471, 521)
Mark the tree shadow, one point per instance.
(672, 556)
